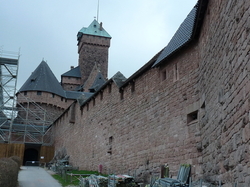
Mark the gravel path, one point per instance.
(36, 177)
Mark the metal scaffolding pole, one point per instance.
(22, 120)
(8, 80)
(33, 120)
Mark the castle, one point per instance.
(189, 104)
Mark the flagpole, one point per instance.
(97, 10)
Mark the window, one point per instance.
(72, 113)
(101, 95)
(87, 106)
(176, 72)
(110, 88)
(110, 145)
(192, 116)
(121, 94)
(38, 93)
(25, 93)
(52, 95)
(132, 86)
(163, 75)
(110, 140)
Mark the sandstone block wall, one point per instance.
(194, 109)
(70, 83)
(141, 130)
(224, 84)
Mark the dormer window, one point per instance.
(33, 79)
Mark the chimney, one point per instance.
(101, 26)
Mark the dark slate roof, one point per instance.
(72, 94)
(183, 35)
(43, 79)
(84, 97)
(95, 29)
(119, 79)
(79, 88)
(75, 72)
(98, 83)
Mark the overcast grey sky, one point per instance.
(47, 29)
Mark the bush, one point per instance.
(18, 160)
(8, 172)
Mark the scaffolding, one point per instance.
(22, 120)
(8, 80)
(32, 123)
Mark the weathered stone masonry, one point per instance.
(193, 108)
(224, 83)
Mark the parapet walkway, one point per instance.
(31, 176)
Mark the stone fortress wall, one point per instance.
(192, 109)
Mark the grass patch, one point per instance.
(74, 179)
(84, 172)
(62, 181)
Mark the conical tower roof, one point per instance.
(43, 79)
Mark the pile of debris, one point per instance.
(110, 181)
(60, 162)
(201, 183)
(93, 181)
(121, 181)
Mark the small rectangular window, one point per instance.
(101, 95)
(176, 72)
(39, 93)
(192, 116)
(163, 75)
(110, 88)
(110, 145)
(132, 86)
(110, 140)
(121, 94)
(25, 93)
(72, 113)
